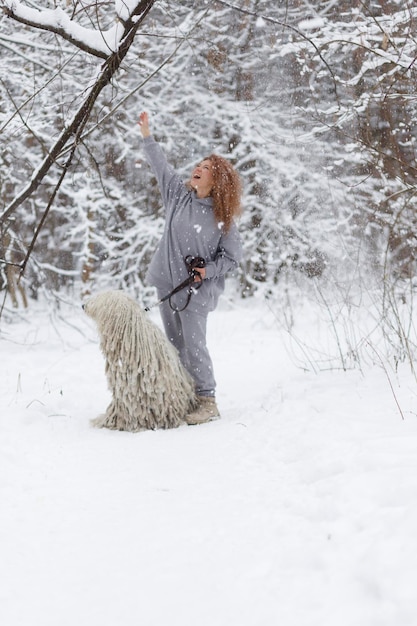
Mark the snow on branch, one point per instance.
(72, 132)
(99, 43)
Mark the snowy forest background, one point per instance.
(313, 101)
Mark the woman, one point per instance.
(199, 223)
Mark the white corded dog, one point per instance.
(150, 387)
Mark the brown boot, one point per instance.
(205, 412)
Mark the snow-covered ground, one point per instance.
(297, 508)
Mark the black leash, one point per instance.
(192, 263)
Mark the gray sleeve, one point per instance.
(229, 254)
(170, 184)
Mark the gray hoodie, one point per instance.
(190, 229)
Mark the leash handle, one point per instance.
(192, 263)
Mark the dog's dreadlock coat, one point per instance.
(150, 387)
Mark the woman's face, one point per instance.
(202, 179)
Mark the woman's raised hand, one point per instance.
(144, 124)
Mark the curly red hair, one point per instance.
(226, 192)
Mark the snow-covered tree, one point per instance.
(313, 102)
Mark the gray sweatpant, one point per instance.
(187, 332)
